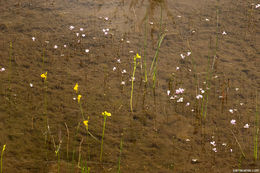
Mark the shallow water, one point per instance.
(165, 132)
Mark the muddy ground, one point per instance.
(163, 133)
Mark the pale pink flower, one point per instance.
(233, 121)
(179, 91)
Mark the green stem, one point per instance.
(103, 133)
(58, 155)
(81, 110)
(132, 90)
(155, 59)
(2, 154)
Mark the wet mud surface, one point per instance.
(209, 48)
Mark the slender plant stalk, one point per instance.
(81, 110)
(58, 158)
(145, 46)
(256, 131)
(155, 60)
(79, 160)
(75, 143)
(2, 154)
(133, 77)
(242, 152)
(68, 140)
(105, 114)
(102, 142)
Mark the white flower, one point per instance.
(2, 69)
(214, 149)
(233, 121)
(131, 51)
(182, 56)
(151, 23)
(168, 92)
(231, 111)
(257, 5)
(207, 19)
(187, 104)
(173, 97)
(124, 71)
(237, 89)
(180, 100)
(106, 18)
(179, 91)
(213, 143)
(64, 45)
(107, 29)
(81, 29)
(199, 96)
(179, 16)
(192, 110)
(114, 68)
(77, 34)
(74, 98)
(128, 41)
(118, 60)
(33, 38)
(55, 47)
(187, 140)
(241, 104)
(83, 35)
(177, 68)
(132, 78)
(106, 33)
(87, 50)
(123, 83)
(246, 126)
(231, 150)
(202, 91)
(224, 144)
(220, 97)
(72, 27)
(224, 33)
(31, 85)
(188, 53)
(194, 160)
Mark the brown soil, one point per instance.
(160, 135)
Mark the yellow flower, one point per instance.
(86, 123)
(79, 96)
(4, 147)
(138, 56)
(106, 113)
(44, 75)
(76, 87)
